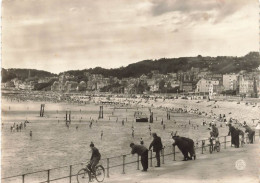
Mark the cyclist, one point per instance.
(214, 132)
(95, 157)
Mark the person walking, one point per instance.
(133, 133)
(142, 151)
(234, 135)
(101, 134)
(157, 147)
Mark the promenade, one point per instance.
(208, 168)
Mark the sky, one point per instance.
(60, 35)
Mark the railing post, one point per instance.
(202, 146)
(107, 167)
(173, 152)
(137, 162)
(123, 164)
(151, 158)
(70, 172)
(225, 142)
(163, 155)
(23, 177)
(48, 176)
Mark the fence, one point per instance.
(70, 172)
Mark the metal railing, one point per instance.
(166, 151)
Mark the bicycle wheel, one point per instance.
(100, 173)
(83, 176)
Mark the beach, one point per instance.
(53, 144)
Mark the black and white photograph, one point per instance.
(130, 91)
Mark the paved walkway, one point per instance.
(208, 168)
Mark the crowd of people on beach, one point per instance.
(16, 127)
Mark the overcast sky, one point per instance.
(59, 35)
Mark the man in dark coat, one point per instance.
(234, 136)
(157, 147)
(95, 157)
(142, 151)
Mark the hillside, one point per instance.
(22, 74)
(220, 65)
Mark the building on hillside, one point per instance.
(153, 85)
(143, 77)
(172, 76)
(245, 85)
(91, 85)
(70, 86)
(203, 74)
(82, 86)
(203, 85)
(195, 70)
(174, 83)
(186, 86)
(56, 86)
(44, 80)
(230, 81)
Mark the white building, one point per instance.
(230, 81)
(206, 86)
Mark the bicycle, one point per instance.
(86, 175)
(214, 144)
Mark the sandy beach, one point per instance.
(54, 144)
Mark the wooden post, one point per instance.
(107, 167)
(137, 162)
(102, 112)
(99, 114)
(70, 172)
(202, 146)
(151, 158)
(173, 151)
(43, 105)
(23, 177)
(48, 176)
(123, 164)
(225, 141)
(41, 111)
(163, 155)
